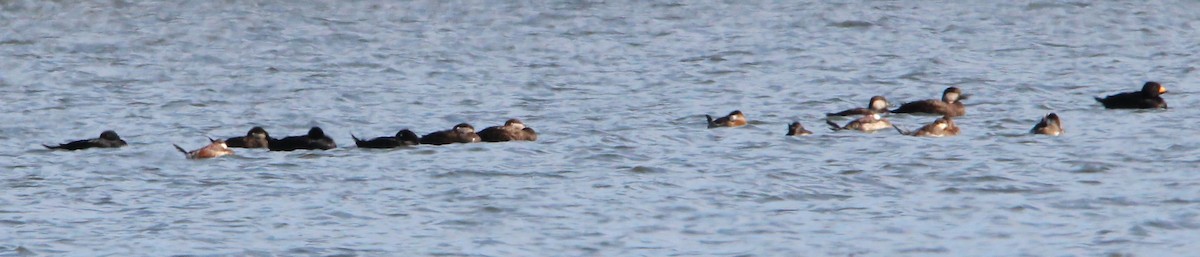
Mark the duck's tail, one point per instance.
(1098, 99)
(185, 152)
(710, 119)
(833, 126)
(902, 132)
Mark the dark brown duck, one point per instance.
(461, 133)
(950, 105)
(512, 130)
(734, 119)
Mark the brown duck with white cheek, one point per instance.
(1148, 98)
(950, 105)
(942, 127)
(107, 139)
(512, 130)
(216, 148)
(257, 137)
(795, 129)
(878, 104)
(1049, 125)
(461, 133)
(866, 123)
(734, 119)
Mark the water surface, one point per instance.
(624, 165)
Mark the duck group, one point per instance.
(869, 119)
(316, 139)
(950, 106)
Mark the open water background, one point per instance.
(624, 165)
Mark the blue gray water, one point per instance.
(618, 90)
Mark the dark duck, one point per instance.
(1148, 98)
(403, 137)
(107, 139)
(951, 105)
(942, 127)
(314, 140)
(877, 104)
(734, 119)
(1049, 125)
(461, 133)
(257, 137)
(512, 130)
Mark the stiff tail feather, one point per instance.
(902, 132)
(185, 152)
(833, 126)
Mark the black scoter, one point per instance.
(314, 140)
(1148, 98)
(107, 139)
(403, 137)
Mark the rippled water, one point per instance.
(618, 90)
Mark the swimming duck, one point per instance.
(866, 123)
(795, 129)
(257, 137)
(216, 148)
(877, 104)
(107, 139)
(950, 105)
(512, 130)
(314, 140)
(461, 133)
(942, 127)
(1148, 98)
(1049, 125)
(403, 137)
(734, 119)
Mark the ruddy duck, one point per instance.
(512, 130)
(461, 133)
(107, 139)
(216, 148)
(1050, 125)
(403, 138)
(1148, 98)
(257, 137)
(315, 140)
(866, 123)
(878, 104)
(734, 119)
(950, 105)
(795, 129)
(942, 127)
